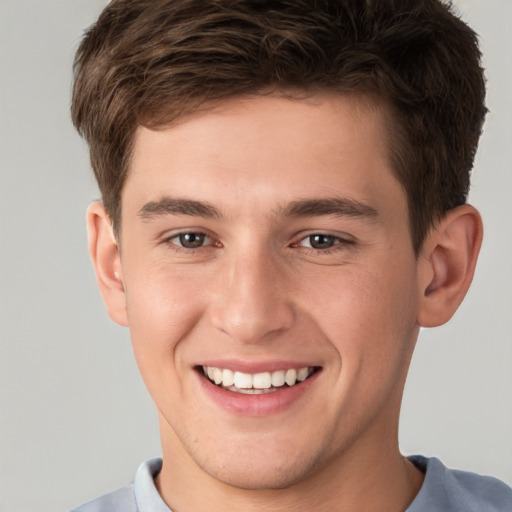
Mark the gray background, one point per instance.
(75, 420)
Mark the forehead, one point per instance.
(266, 146)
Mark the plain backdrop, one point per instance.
(75, 419)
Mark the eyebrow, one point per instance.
(176, 206)
(337, 206)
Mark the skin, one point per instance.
(257, 292)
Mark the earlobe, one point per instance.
(447, 264)
(105, 256)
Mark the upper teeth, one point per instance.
(265, 380)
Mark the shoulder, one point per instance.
(122, 500)
(142, 492)
(458, 491)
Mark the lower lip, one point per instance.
(264, 404)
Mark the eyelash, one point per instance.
(170, 241)
(339, 243)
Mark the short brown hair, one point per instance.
(150, 62)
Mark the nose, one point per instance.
(252, 302)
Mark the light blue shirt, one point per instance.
(443, 490)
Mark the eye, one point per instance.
(191, 240)
(320, 241)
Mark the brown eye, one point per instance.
(320, 241)
(191, 240)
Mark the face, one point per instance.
(270, 286)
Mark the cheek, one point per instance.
(161, 297)
(369, 321)
(163, 308)
(369, 315)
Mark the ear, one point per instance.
(447, 264)
(105, 256)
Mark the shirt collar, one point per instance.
(146, 494)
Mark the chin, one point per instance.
(248, 477)
(276, 471)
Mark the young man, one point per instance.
(283, 207)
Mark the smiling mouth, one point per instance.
(257, 383)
